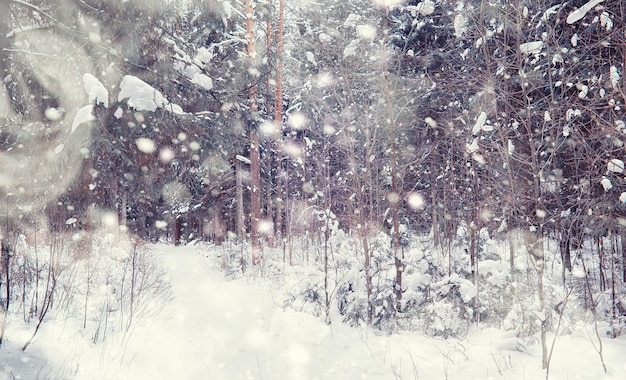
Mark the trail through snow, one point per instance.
(233, 330)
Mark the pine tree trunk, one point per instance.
(433, 202)
(368, 278)
(4, 28)
(5, 280)
(614, 299)
(278, 122)
(510, 238)
(177, 229)
(623, 248)
(394, 198)
(255, 168)
(241, 219)
(534, 244)
(124, 210)
(270, 198)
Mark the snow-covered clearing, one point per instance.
(214, 328)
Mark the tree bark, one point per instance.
(623, 248)
(241, 218)
(255, 168)
(177, 230)
(394, 197)
(278, 122)
(4, 27)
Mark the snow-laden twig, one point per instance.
(556, 332)
(599, 348)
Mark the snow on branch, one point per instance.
(579, 13)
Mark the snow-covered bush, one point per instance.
(106, 281)
(352, 299)
(306, 294)
(441, 296)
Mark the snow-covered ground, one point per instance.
(215, 328)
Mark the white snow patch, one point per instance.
(614, 77)
(175, 109)
(243, 159)
(615, 166)
(83, 115)
(473, 147)
(478, 43)
(460, 25)
(203, 55)
(323, 37)
(257, 338)
(606, 183)
(533, 47)
(228, 9)
(480, 122)
(467, 290)
(366, 32)
(95, 37)
(351, 49)
(191, 70)
(479, 158)
(572, 113)
(95, 90)
(297, 354)
(606, 21)
(310, 57)
(566, 131)
(511, 147)
(203, 81)
(426, 7)
(141, 96)
(546, 116)
(579, 13)
(622, 197)
(430, 122)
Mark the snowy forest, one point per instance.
(433, 167)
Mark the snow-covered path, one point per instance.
(221, 329)
(211, 327)
(201, 330)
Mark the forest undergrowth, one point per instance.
(508, 289)
(108, 282)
